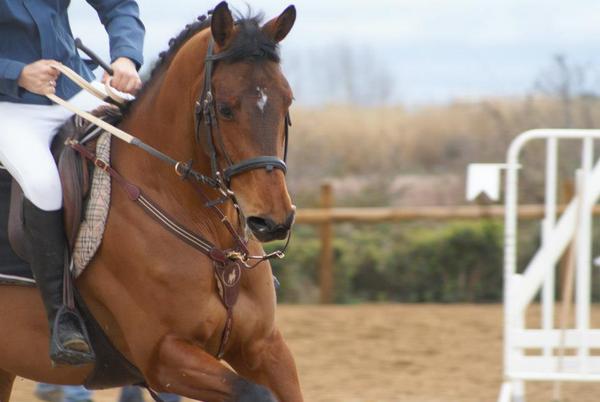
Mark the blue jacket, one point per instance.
(31, 30)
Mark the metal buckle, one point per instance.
(234, 255)
(177, 172)
(102, 164)
(182, 169)
(71, 141)
(223, 188)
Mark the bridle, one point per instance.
(205, 111)
(220, 179)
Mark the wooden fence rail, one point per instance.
(327, 216)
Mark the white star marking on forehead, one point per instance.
(262, 98)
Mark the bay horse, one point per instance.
(155, 296)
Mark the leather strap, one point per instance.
(267, 162)
(227, 271)
(122, 135)
(82, 83)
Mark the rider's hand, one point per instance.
(39, 77)
(126, 78)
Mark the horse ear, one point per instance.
(279, 27)
(221, 24)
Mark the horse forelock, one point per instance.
(250, 43)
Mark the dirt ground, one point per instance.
(394, 353)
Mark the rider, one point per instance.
(34, 36)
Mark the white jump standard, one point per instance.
(574, 226)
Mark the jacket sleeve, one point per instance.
(10, 70)
(121, 19)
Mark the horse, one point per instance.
(154, 295)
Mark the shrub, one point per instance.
(455, 262)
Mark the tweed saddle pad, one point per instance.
(95, 213)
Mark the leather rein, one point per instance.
(228, 264)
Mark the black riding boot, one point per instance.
(45, 233)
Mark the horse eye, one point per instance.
(225, 111)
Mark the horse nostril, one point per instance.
(261, 225)
(266, 229)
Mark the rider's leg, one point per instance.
(45, 232)
(25, 137)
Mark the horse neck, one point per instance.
(164, 118)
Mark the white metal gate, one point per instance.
(532, 354)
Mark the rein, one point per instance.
(229, 263)
(120, 134)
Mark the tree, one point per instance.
(573, 85)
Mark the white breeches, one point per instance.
(26, 132)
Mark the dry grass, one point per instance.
(374, 146)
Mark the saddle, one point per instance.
(111, 369)
(74, 176)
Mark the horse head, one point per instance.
(220, 79)
(251, 101)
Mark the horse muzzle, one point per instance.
(266, 229)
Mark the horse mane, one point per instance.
(165, 57)
(249, 44)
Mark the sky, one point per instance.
(423, 51)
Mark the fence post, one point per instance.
(326, 258)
